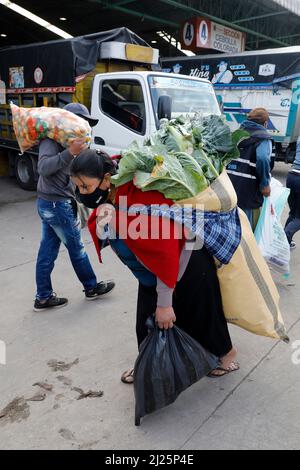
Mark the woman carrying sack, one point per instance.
(176, 282)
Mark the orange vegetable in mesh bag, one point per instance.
(34, 124)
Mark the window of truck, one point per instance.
(188, 96)
(123, 101)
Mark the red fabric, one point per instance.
(159, 255)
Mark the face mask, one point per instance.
(94, 199)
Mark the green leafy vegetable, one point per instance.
(177, 176)
(182, 158)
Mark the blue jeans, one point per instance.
(293, 223)
(60, 224)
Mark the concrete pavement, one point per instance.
(257, 407)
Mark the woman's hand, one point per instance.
(165, 317)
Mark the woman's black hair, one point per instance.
(93, 164)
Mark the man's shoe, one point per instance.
(102, 288)
(52, 302)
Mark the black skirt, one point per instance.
(197, 305)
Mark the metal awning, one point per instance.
(292, 5)
(267, 23)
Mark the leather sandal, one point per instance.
(128, 376)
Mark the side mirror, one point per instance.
(164, 107)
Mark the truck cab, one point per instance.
(129, 105)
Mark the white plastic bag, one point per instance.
(272, 240)
(279, 196)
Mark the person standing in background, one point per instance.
(250, 173)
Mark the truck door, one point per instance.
(121, 105)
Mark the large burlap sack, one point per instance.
(220, 196)
(34, 124)
(249, 296)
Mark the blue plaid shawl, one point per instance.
(219, 232)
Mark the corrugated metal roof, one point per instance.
(292, 5)
(267, 23)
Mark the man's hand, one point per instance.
(77, 146)
(165, 317)
(266, 192)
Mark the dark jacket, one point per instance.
(251, 171)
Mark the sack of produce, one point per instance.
(182, 158)
(249, 296)
(34, 124)
(186, 160)
(220, 196)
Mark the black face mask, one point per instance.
(94, 199)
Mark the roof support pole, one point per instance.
(138, 14)
(267, 15)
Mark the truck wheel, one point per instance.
(290, 154)
(25, 172)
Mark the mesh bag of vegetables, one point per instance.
(34, 124)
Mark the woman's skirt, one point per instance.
(197, 305)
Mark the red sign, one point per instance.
(201, 33)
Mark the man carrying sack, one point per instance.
(57, 209)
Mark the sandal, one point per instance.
(128, 376)
(221, 371)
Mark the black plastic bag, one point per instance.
(169, 361)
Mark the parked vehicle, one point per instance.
(114, 73)
(266, 78)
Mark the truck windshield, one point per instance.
(188, 95)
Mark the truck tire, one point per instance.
(290, 153)
(25, 172)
